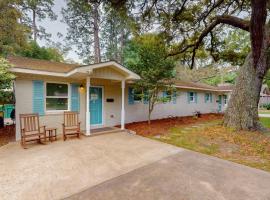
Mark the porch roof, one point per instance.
(42, 67)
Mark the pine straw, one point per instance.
(161, 126)
(7, 135)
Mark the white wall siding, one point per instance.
(112, 110)
(23, 96)
(139, 111)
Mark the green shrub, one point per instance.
(266, 106)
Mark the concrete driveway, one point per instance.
(184, 176)
(264, 115)
(122, 166)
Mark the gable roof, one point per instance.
(44, 67)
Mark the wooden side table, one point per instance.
(52, 133)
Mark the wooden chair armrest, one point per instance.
(42, 127)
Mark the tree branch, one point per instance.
(179, 11)
(223, 19)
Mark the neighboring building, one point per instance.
(102, 94)
(264, 95)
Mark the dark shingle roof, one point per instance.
(42, 65)
(188, 84)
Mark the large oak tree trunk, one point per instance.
(242, 111)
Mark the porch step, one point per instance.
(105, 130)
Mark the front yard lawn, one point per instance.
(265, 121)
(208, 136)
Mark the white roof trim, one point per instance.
(82, 69)
(37, 72)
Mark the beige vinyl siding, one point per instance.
(107, 73)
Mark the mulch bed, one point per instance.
(7, 135)
(161, 126)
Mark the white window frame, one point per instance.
(45, 95)
(193, 97)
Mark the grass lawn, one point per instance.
(265, 121)
(210, 137)
(248, 148)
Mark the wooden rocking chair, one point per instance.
(30, 129)
(71, 125)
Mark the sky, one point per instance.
(53, 27)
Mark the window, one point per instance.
(138, 95)
(207, 97)
(56, 96)
(168, 95)
(191, 97)
(225, 99)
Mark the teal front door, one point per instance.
(219, 103)
(95, 105)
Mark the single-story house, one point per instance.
(102, 94)
(264, 95)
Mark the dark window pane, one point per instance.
(56, 104)
(169, 95)
(137, 95)
(55, 89)
(207, 97)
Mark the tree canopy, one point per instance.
(5, 81)
(146, 55)
(37, 10)
(33, 50)
(13, 35)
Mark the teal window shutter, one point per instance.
(75, 98)
(38, 97)
(211, 98)
(130, 96)
(196, 97)
(174, 97)
(205, 97)
(145, 97)
(188, 97)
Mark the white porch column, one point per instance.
(123, 105)
(87, 117)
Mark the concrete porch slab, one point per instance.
(60, 169)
